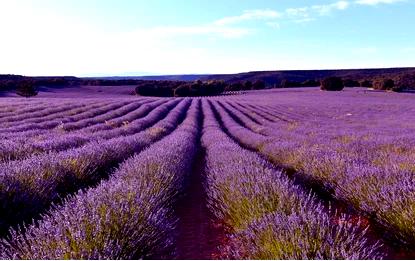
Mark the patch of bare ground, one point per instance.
(199, 234)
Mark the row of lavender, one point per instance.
(262, 207)
(128, 216)
(50, 140)
(269, 216)
(367, 161)
(31, 185)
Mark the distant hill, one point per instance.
(183, 77)
(274, 78)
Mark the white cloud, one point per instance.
(298, 12)
(308, 13)
(327, 9)
(376, 2)
(274, 25)
(249, 15)
(40, 42)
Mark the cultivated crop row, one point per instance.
(374, 174)
(32, 185)
(128, 216)
(271, 218)
(104, 179)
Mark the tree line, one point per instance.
(26, 86)
(192, 89)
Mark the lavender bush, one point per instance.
(127, 217)
(269, 215)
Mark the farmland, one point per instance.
(275, 174)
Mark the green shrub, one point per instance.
(332, 84)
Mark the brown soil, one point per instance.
(199, 233)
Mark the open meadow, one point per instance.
(274, 174)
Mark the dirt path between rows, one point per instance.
(198, 234)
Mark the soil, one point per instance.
(199, 233)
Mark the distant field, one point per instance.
(97, 173)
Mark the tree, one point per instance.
(288, 84)
(237, 86)
(310, 83)
(258, 85)
(26, 89)
(350, 83)
(214, 87)
(384, 84)
(182, 91)
(332, 84)
(247, 86)
(366, 83)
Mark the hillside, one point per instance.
(274, 78)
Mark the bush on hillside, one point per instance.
(288, 84)
(332, 84)
(366, 83)
(182, 91)
(247, 86)
(350, 83)
(258, 85)
(307, 83)
(310, 83)
(234, 87)
(26, 89)
(384, 84)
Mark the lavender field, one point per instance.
(275, 174)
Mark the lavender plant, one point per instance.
(128, 216)
(30, 186)
(250, 195)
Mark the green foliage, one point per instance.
(26, 89)
(332, 84)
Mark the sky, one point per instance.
(142, 37)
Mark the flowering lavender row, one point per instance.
(17, 119)
(126, 119)
(55, 126)
(243, 119)
(40, 113)
(156, 112)
(21, 148)
(45, 122)
(256, 122)
(9, 109)
(55, 119)
(110, 114)
(28, 108)
(78, 107)
(270, 217)
(375, 176)
(257, 111)
(76, 114)
(281, 108)
(250, 113)
(128, 216)
(28, 187)
(375, 173)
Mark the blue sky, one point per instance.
(133, 37)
